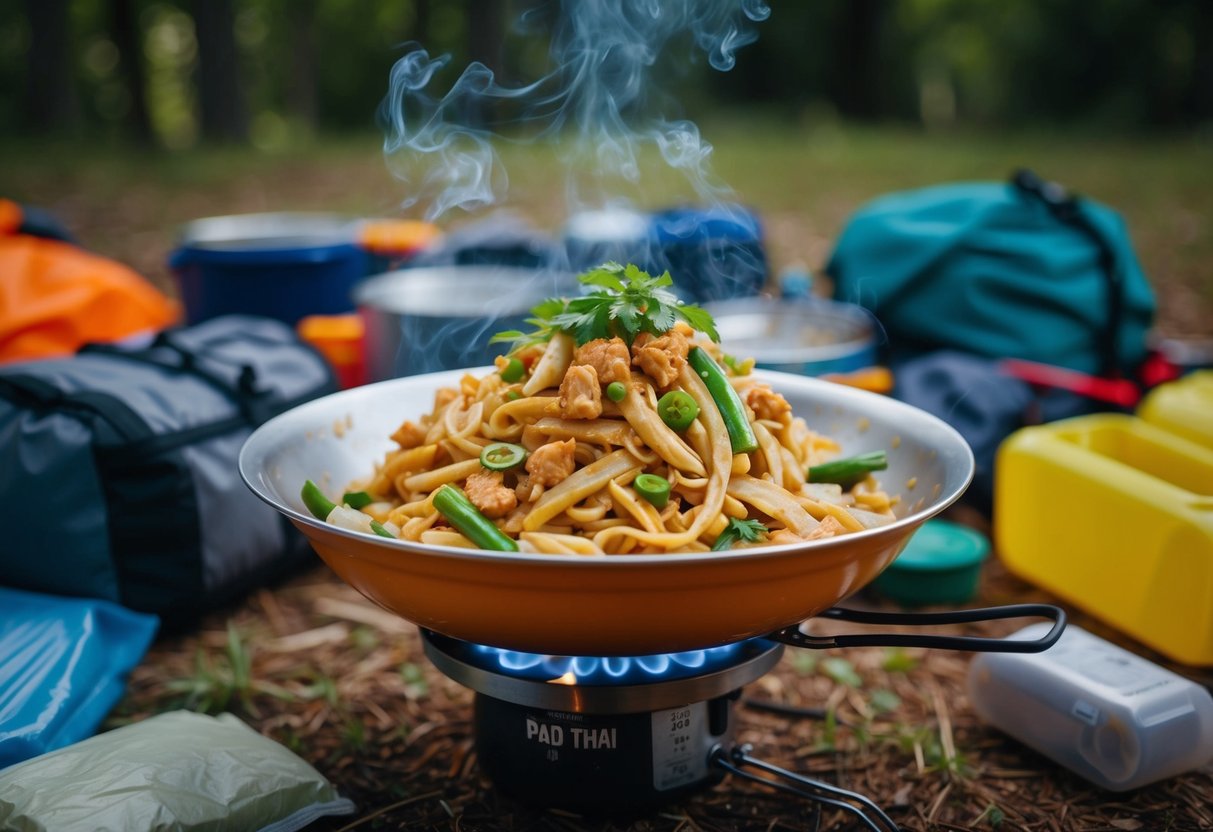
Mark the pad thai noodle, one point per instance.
(617, 426)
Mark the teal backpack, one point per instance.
(1019, 270)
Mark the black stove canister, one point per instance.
(612, 763)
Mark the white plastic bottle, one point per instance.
(1106, 714)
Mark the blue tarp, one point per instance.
(63, 666)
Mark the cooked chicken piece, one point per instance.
(580, 394)
(609, 358)
(552, 463)
(827, 528)
(409, 435)
(662, 358)
(767, 404)
(485, 490)
(781, 536)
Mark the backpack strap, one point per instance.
(126, 423)
(1067, 208)
(251, 399)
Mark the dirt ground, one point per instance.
(346, 686)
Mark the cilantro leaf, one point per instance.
(746, 531)
(626, 302)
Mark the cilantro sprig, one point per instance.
(746, 531)
(626, 302)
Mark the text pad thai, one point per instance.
(616, 427)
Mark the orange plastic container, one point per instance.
(1115, 515)
(341, 340)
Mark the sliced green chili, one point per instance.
(513, 371)
(378, 529)
(653, 488)
(357, 499)
(677, 409)
(849, 471)
(502, 456)
(616, 391)
(318, 504)
(741, 434)
(459, 511)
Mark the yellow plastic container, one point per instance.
(1184, 407)
(1115, 515)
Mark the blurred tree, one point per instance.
(857, 86)
(301, 96)
(258, 69)
(486, 45)
(220, 94)
(50, 96)
(128, 38)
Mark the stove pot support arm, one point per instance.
(796, 638)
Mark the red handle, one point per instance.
(1120, 392)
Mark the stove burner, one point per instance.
(601, 685)
(609, 670)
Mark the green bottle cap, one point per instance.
(940, 564)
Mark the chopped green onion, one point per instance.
(512, 395)
(378, 529)
(653, 488)
(459, 511)
(502, 456)
(849, 471)
(616, 390)
(736, 422)
(357, 499)
(514, 370)
(677, 409)
(318, 504)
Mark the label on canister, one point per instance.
(678, 756)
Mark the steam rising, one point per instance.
(598, 106)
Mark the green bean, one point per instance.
(459, 511)
(736, 422)
(318, 504)
(850, 470)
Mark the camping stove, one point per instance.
(619, 734)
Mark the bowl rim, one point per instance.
(286, 420)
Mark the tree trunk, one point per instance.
(485, 41)
(301, 98)
(219, 92)
(128, 37)
(858, 92)
(422, 15)
(50, 99)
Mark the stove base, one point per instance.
(601, 763)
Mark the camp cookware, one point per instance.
(811, 336)
(611, 605)
(282, 265)
(422, 320)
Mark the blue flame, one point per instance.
(606, 670)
